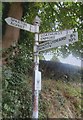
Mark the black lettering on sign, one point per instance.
(64, 38)
(16, 20)
(46, 38)
(70, 40)
(52, 37)
(12, 23)
(72, 35)
(57, 40)
(50, 34)
(16, 24)
(25, 24)
(46, 34)
(19, 25)
(60, 39)
(13, 20)
(74, 39)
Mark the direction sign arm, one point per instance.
(67, 39)
(20, 24)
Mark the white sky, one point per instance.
(69, 60)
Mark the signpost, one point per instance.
(19, 24)
(37, 73)
(54, 39)
(54, 35)
(67, 39)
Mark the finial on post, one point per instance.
(37, 21)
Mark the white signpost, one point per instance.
(37, 74)
(54, 39)
(54, 35)
(19, 24)
(67, 39)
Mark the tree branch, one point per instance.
(55, 12)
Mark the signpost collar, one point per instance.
(37, 21)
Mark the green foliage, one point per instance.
(42, 108)
(62, 16)
(16, 102)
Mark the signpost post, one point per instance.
(37, 73)
(20, 24)
(54, 39)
